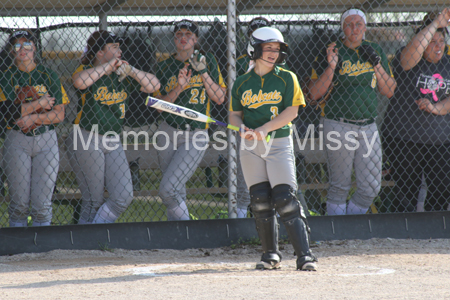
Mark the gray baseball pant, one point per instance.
(31, 166)
(243, 195)
(274, 163)
(95, 168)
(364, 160)
(179, 157)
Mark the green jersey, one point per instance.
(193, 96)
(263, 98)
(105, 102)
(243, 63)
(43, 79)
(354, 96)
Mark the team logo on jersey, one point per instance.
(190, 114)
(109, 98)
(41, 89)
(195, 81)
(254, 101)
(355, 69)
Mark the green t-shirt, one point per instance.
(194, 96)
(43, 79)
(263, 98)
(243, 62)
(354, 96)
(105, 102)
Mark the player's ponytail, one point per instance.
(89, 53)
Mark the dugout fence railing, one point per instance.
(147, 27)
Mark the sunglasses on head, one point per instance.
(27, 46)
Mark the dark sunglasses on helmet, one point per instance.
(27, 46)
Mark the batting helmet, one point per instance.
(266, 35)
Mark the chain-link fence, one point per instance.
(365, 141)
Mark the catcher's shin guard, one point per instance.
(293, 218)
(268, 234)
(266, 225)
(298, 235)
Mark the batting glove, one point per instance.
(369, 54)
(198, 62)
(123, 71)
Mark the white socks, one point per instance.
(353, 209)
(178, 213)
(336, 209)
(104, 215)
(343, 209)
(242, 212)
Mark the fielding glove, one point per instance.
(198, 62)
(367, 53)
(123, 71)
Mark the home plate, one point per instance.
(376, 271)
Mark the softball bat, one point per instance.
(185, 112)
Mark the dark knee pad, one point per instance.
(285, 202)
(265, 219)
(260, 199)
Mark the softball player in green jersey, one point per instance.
(264, 102)
(192, 80)
(242, 67)
(31, 157)
(104, 83)
(357, 69)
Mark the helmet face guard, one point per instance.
(266, 35)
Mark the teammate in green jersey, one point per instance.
(357, 69)
(264, 102)
(244, 62)
(104, 82)
(31, 152)
(191, 79)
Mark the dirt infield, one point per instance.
(354, 269)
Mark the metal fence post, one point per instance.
(232, 154)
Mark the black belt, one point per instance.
(357, 122)
(39, 130)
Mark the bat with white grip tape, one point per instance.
(185, 112)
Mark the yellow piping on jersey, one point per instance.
(298, 97)
(208, 113)
(2, 96)
(242, 56)
(243, 83)
(65, 98)
(49, 78)
(280, 78)
(221, 82)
